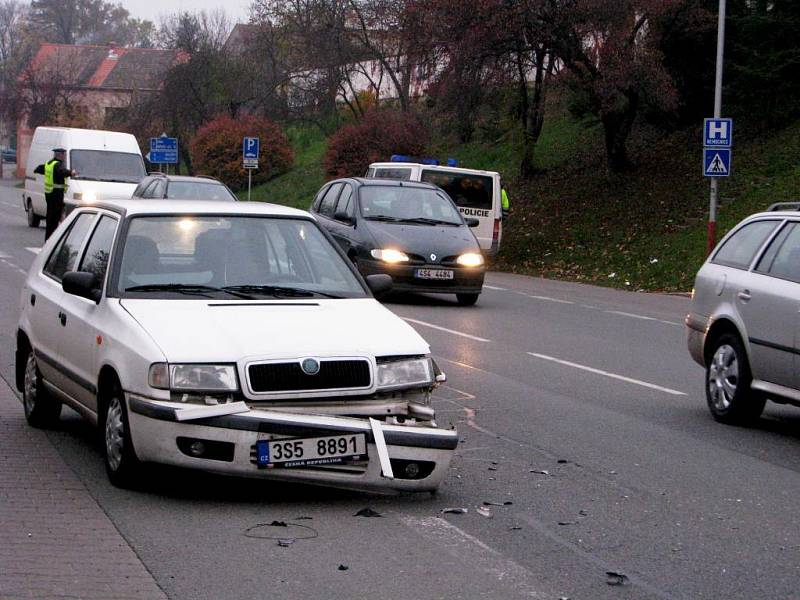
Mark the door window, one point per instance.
(95, 258)
(345, 203)
(782, 258)
(739, 250)
(65, 254)
(329, 201)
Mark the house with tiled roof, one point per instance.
(92, 85)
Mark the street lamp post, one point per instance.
(712, 213)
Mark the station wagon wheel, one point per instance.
(33, 218)
(728, 378)
(41, 409)
(122, 466)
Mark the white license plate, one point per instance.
(304, 452)
(433, 274)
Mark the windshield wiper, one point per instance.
(382, 218)
(426, 221)
(277, 291)
(186, 288)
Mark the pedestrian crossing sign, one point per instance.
(716, 162)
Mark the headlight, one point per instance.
(470, 259)
(193, 378)
(404, 373)
(87, 196)
(389, 255)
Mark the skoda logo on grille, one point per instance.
(433, 257)
(310, 366)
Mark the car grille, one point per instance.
(285, 377)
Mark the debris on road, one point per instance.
(454, 511)
(540, 472)
(484, 511)
(566, 522)
(367, 512)
(614, 578)
(278, 524)
(285, 543)
(515, 528)
(343, 567)
(490, 503)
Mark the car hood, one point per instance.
(234, 331)
(103, 190)
(441, 240)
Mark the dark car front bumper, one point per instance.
(466, 280)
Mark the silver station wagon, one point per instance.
(745, 315)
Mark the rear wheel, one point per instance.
(122, 466)
(467, 299)
(33, 218)
(728, 378)
(41, 409)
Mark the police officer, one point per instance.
(55, 184)
(504, 203)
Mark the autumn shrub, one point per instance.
(216, 150)
(378, 135)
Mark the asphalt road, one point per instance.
(580, 414)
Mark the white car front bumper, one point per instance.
(159, 437)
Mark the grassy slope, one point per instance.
(645, 230)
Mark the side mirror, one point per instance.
(379, 284)
(472, 222)
(341, 215)
(81, 284)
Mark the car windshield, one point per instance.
(407, 204)
(185, 256)
(199, 190)
(102, 165)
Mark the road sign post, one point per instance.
(712, 212)
(250, 152)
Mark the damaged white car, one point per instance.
(234, 338)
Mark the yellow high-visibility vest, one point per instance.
(49, 184)
(504, 199)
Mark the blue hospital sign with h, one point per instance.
(718, 133)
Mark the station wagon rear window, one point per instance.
(466, 189)
(393, 173)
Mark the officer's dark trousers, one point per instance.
(55, 207)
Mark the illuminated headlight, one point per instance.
(87, 196)
(405, 373)
(470, 259)
(193, 378)
(389, 255)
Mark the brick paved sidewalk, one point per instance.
(55, 540)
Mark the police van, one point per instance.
(476, 193)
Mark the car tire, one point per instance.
(122, 466)
(33, 218)
(728, 378)
(41, 409)
(467, 299)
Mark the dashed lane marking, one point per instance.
(567, 363)
(494, 287)
(445, 329)
(4, 260)
(642, 317)
(545, 298)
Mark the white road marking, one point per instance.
(4, 256)
(453, 331)
(476, 554)
(493, 287)
(11, 265)
(33, 249)
(545, 298)
(607, 374)
(642, 317)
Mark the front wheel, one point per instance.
(728, 378)
(33, 218)
(122, 466)
(41, 409)
(467, 299)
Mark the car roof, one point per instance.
(776, 214)
(200, 178)
(139, 206)
(371, 181)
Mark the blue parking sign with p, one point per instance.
(718, 133)
(251, 148)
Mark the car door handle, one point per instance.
(33, 299)
(63, 318)
(744, 295)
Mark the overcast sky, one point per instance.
(238, 10)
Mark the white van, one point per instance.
(475, 192)
(109, 164)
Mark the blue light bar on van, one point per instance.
(452, 162)
(400, 158)
(411, 159)
(429, 161)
